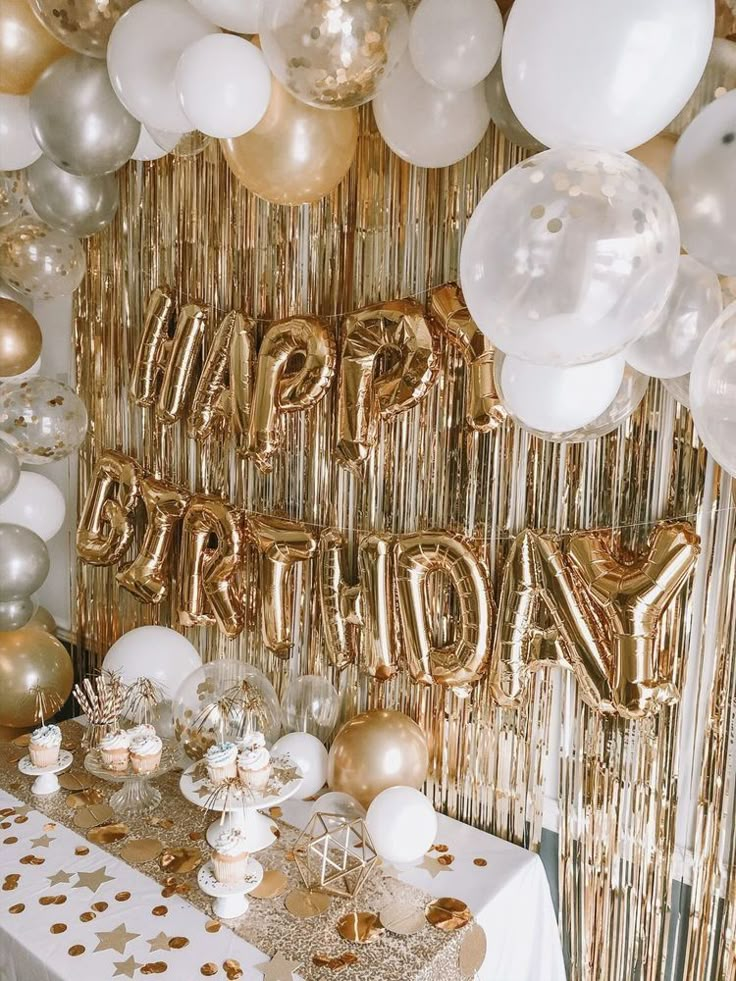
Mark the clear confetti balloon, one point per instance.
(311, 704)
(13, 196)
(333, 55)
(41, 419)
(83, 25)
(713, 390)
(39, 261)
(80, 206)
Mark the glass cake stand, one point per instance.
(239, 806)
(136, 796)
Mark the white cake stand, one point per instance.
(239, 809)
(46, 781)
(229, 900)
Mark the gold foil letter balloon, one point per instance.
(26, 48)
(297, 153)
(340, 601)
(211, 403)
(281, 544)
(209, 565)
(106, 521)
(36, 675)
(147, 577)
(377, 750)
(483, 408)
(380, 640)
(295, 365)
(367, 393)
(20, 338)
(463, 661)
(243, 358)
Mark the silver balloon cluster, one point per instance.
(25, 565)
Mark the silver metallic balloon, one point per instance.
(78, 120)
(9, 471)
(24, 562)
(78, 205)
(15, 613)
(503, 116)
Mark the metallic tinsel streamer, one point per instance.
(390, 230)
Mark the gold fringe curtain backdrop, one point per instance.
(391, 230)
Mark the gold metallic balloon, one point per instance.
(210, 410)
(377, 750)
(35, 674)
(106, 526)
(26, 47)
(656, 154)
(20, 338)
(43, 619)
(83, 25)
(296, 153)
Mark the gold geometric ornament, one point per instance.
(335, 855)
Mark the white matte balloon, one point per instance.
(240, 16)
(570, 256)
(556, 399)
(667, 348)
(152, 146)
(455, 45)
(224, 85)
(603, 74)
(18, 147)
(158, 653)
(309, 755)
(142, 55)
(36, 503)
(702, 185)
(425, 126)
(402, 824)
(713, 390)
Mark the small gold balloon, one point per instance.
(20, 338)
(296, 153)
(377, 750)
(43, 619)
(26, 47)
(35, 668)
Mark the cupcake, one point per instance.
(114, 749)
(45, 745)
(144, 729)
(254, 762)
(230, 857)
(221, 761)
(145, 753)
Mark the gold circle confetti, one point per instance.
(304, 903)
(448, 914)
(209, 970)
(12, 840)
(440, 848)
(472, 951)
(99, 907)
(18, 908)
(81, 850)
(335, 963)
(446, 859)
(57, 928)
(359, 927)
(160, 910)
(213, 926)
(76, 950)
(480, 862)
(178, 943)
(108, 834)
(85, 797)
(141, 850)
(90, 817)
(75, 781)
(87, 917)
(180, 859)
(155, 967)
(232, 968)
(402, 919)
(122, 897)
(273, 884)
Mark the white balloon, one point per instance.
(36, 503)
(156, 144)
(157, 653)
(667, 348)
(603, 74)
(338, 803)
(713, 390)
(455, 45)
(240, 16)
(556, 399)
(570, 256)
(18, 147)
(425, 126)
(224, 85)
(679, 389)
(142, 54)
(402, 824)
(310, 756)
(702, 185)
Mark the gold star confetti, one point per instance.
(127, 968)
(433, 866)
(93, 880)
(59, 877)
(43, 842)
(278, 968)
(116, 939)
(159, 942)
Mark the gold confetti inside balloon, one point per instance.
(13, 196)
(334, 55)
(83, 25)
(41, 419)
(40, 261)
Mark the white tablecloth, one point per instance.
(509, 897)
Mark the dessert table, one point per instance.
(88, 896)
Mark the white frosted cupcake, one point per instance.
(114, 748)
(137, 732)
(254, 762)
(221, 761)
(45, 745)
(145, 753)
(230, 857)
